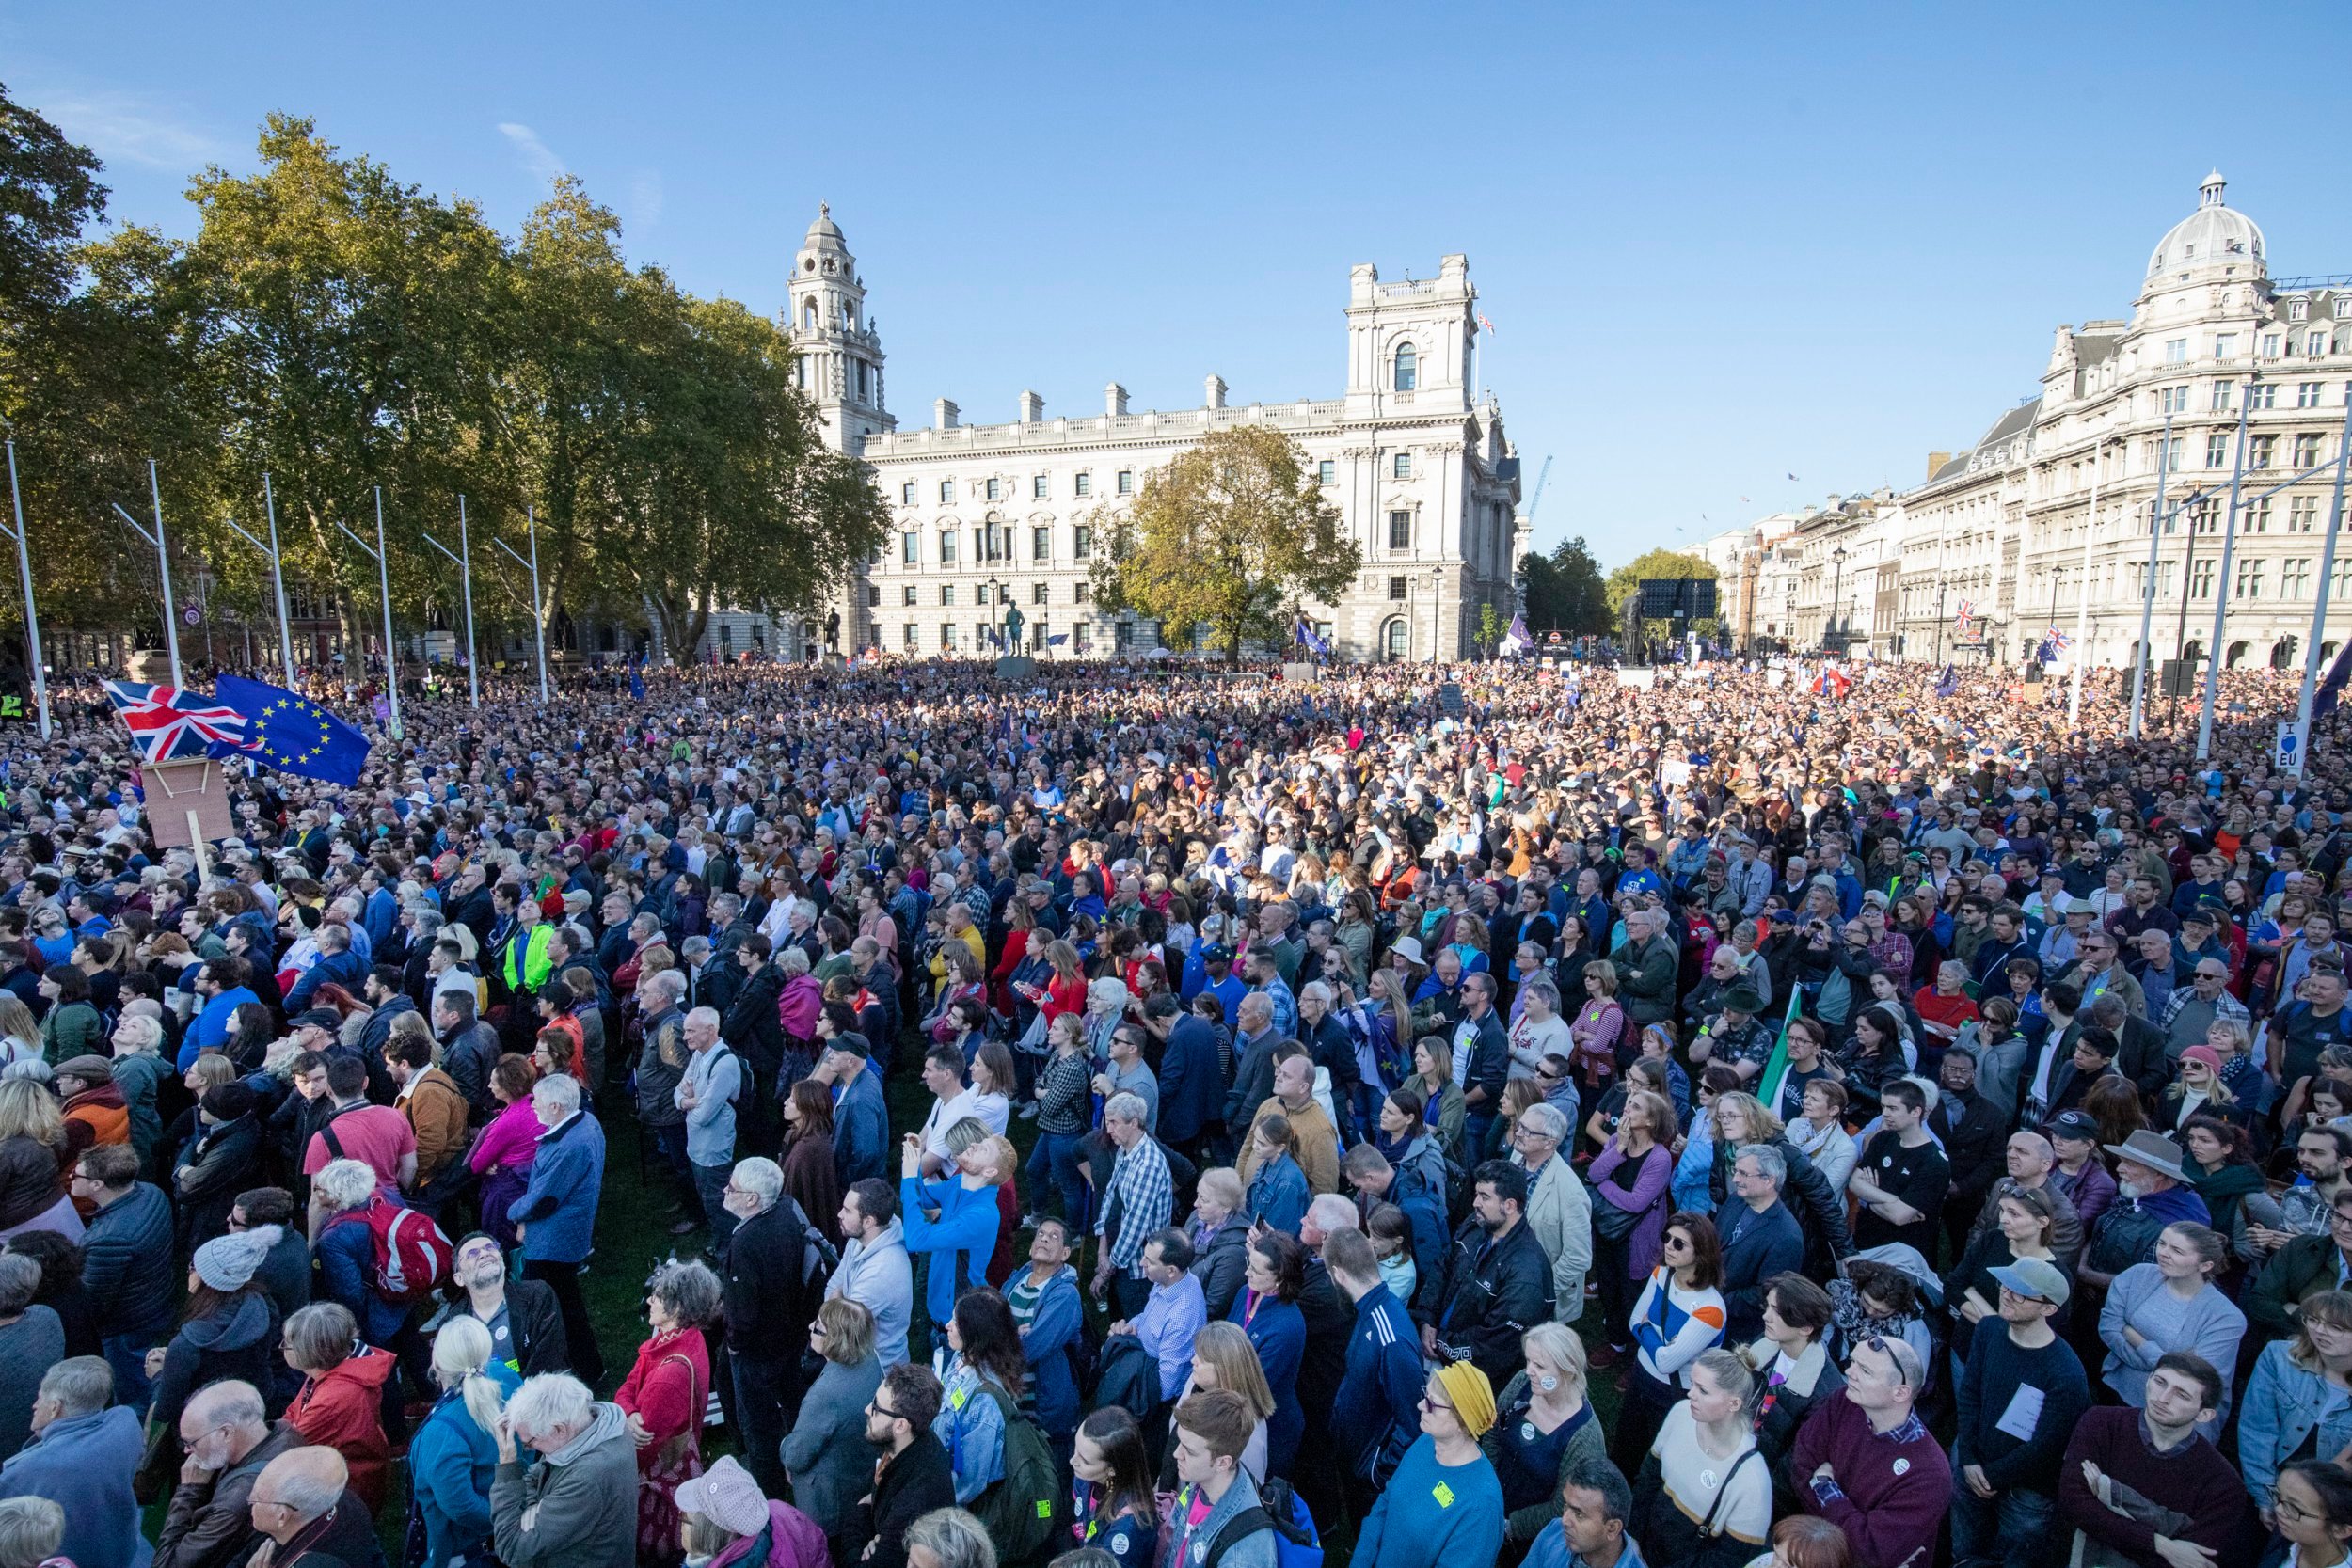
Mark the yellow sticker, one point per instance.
(955, 1401)
(1444, 1495)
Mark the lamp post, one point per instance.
(2319, 605)
(989, 592)
(1436, 613)
(383, 589)
(32, 615)
(1836, 585)
(162, 562)
(463, 562)
(2147, 586)
(2081, 600)
(538, 622)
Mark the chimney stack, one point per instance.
(1936, 460)
(1114, 400)
(1032, 408)
(943, 412)
(1217, 392)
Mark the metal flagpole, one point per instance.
(32, 616)
(464, 558)
(163, 558)
(2221, 587)
(2082, 601)
(2148, 589)
(384, 586)
(538, 623)
(2319, 607)
(277, 575)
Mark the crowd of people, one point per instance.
(1141, 1118)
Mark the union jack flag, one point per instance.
(167, 722)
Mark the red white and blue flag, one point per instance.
(1831, 682)
(167, 722)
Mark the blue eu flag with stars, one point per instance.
(289, 732)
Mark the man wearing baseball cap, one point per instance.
(2021, 1392)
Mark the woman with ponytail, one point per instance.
(454, 1456)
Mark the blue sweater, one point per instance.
(1430, 1514)
(84, 1464)
(451, 1464)
(966, 1223)
(1278, 1332)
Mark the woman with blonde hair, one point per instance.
(20, 1036)
(1433, 1079)
(2300, 1394)
(32, 1144)
(454, 1456)
(1598, 1027)
(1544, 1428)
(1223, 1357)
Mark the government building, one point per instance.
(993, 515)
(2131, 446)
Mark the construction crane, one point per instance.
(1541, 480)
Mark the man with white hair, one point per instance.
(227, 1437)
(707, 1094)
(303, 1501)
(555, 1219)
(1144, 1196)
(575, 1506)
(1559, 1211)
(773, 1290)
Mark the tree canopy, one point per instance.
(1564, 590)
(1230, 537)
(1627, 579)
(340, 330)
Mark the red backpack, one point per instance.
(413, 1257)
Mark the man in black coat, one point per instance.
(754, 1031)
(525, 1321)
(772, 1293)
(913, 1476)
(1971, 1129)
(1498, 1282)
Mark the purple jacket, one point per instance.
(1649, 1188)
(793, 1542)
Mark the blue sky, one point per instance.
(1721, 245)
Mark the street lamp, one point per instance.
(1437, 610)
(989, 592)
(1836, 584)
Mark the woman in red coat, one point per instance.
(663, 1397)
(341, 1403)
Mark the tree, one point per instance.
(49, 190)
(1564, 590)
(1489, 630)
(1230, 537)
(1627, 579)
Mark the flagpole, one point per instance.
(2082, 602)
(2148, 589)
(2222, 583)
(384, 588)
(2319, 607)
(163, 559)
(278, 577)
(464, 558)
(32, 615)
(538, 622)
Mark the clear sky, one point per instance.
(1721, 245)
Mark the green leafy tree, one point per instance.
(1489, 630)
(1564, 590)
(1227, 537)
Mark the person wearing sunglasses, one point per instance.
(1865, 1461)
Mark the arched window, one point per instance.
(1408, 367)
(808, 316)
(2282, 652)
(2193, 653)
(1396, 640)
(2236, 654)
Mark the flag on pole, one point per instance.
(1485, 326)
(1517, 643)
(1948, 682)
(1799, 481)
(1776, 1072)
(1831, 682)
(636, 678)
(2330, 687)
(1303, 632)
(167, 722)
(291, 733)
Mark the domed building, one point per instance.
(2046, 522)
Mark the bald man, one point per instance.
(229, 1441)
(304, 1504)
(2030, 1160)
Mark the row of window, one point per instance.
(1082, 486)
(2263, 451)
(993, 542)
(2266, 345)
(2260, 398)
(911, 593)
(949, 635)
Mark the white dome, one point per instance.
(2216, 234)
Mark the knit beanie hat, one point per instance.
(228, 1263)
(1472, 1396)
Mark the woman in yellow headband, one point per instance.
(1443, 1505)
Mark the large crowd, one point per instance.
(1475, 1116)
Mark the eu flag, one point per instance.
(290, 732)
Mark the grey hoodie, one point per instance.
(880, 1278)
(577, 1508)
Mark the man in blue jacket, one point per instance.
(556, 1217)
(1192, 1084)
(1377, 1414)
(1760, 1238)
(1376, 1182)
(127, 1262)
(861, 1122)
